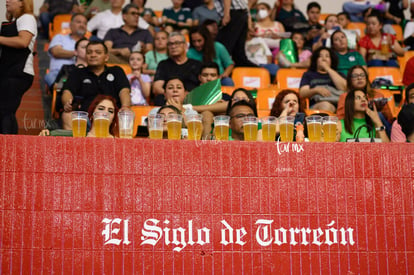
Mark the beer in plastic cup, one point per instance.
(286, 128)
(79, 122)
(174, 122)
(314, 125)
(269, 128)
(221, 127)
(250, 128)
(329, 128)
(194, 126)
(126, 123)
(101, 124)
(155, 126)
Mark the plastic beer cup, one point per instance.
(314, 126)
(155, 126)
(101, 124)
(194, 126)
(79, 122)
(250, 128)
(286, 128)
(329, 128)
(269, 128)
(174, 123)
(126, 123)
(221, 127)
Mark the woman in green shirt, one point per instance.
(358, 114)
(204, 49)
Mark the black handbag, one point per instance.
(358, 139)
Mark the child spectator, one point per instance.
(303, 54)
(331, 25)
(140, 83)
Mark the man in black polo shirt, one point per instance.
(84, 84)
(177, 65)
(128, 38)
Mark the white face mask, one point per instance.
(262, 14)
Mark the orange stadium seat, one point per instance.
(227, 89)
(322, 18)
(289, 78)
(251, 77)
(60, 25)
(141, 113)
(265, 98)
(158, 13)
(125, 67)
(358, 26)
(390, 73)
(263, 113)
(398, 32)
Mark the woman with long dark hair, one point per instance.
(357, 79)
(359, 117)
(17, 38)
(322, 84)
(204, 49)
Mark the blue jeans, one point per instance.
(383, 63)
(45, 18)
(272, 68)
(355, 10)
(227, 81)
(51, 77)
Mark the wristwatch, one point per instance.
(382, 128)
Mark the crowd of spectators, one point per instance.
(182, 42)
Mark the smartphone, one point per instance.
(299, 117)
(379, 102)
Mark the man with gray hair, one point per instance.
(178, 65)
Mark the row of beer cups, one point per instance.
(319, 128)
(101, 123)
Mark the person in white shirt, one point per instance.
(103, 21)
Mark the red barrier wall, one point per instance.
(87, 206)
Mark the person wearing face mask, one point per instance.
(266, 28)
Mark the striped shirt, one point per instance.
(235, 5)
